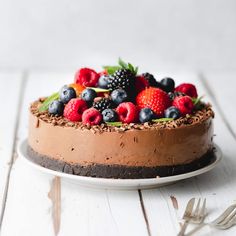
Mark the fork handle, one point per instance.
(183, 228)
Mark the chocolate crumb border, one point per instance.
(197, 117)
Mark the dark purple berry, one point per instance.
(103, 81)
(146, 115)
(66, 94)
(172, 112)
(118, 96)
(167, 84)
(109, 115)
(56, 108)
(88, 95)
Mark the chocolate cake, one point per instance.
(99, 134)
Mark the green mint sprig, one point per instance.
(116, 124)
(121, 65)
(162, 120)
(99, 90)
(197, 102)
(46, 103)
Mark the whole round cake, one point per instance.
(118, 124)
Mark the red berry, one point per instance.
(92, 117)
(184, 104)
(86, 77)
(74, 109)
(127, 112)
(141, 83)
(188, 89)
(154, 98)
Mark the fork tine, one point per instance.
(223, 215)
(226, 220)
(229, 224)
(203, 209)
(195, 212)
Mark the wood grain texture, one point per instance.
(55, 196)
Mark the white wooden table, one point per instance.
(35, 204)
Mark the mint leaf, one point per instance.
(116, 124)
(111, 69)
(162, 120)
(122, 63)
(99, 90)
(198, 104)
(49, 99)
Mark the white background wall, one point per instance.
(194, 34)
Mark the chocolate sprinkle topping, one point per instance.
(197, 117)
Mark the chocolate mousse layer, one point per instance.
(145, 150)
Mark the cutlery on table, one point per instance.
(195, 216)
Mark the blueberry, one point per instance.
(56, 107)
(66, 94)
(167, 84)
(118, 96)
(88, 95)
(145, 115)
(172, 112)
(109, 115)
(103, 81)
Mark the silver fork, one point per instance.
(227, 219)
(196, 216)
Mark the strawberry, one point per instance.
(154, 98)
(188, 89)
(184, 104)
(141, 83)
(86, 77)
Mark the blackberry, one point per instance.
(175, 94)
(151, 80)
(104, 103)
(122, 78)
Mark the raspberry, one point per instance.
(154, 98)
(141, 83)
(78, 88)
(86, 77)
(184, 104)
(92, 117)
(127, 112)
(74, 109)
(188, 89)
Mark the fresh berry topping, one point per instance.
(184, 104)
(172, 112)
(88, 95)
(118, 96)
(66, 94)
(74, 109)
(167, 84)
(151, 80)
(104, 72)
(109, 115)
(103, 81)
(127, 112)
(122, 78)
(173, 95)
(56, 108)
(188, 89)
(154, 98)
(86, 77)
(141, 83)
(102, 104)
(146, 115)
(91, 117)
(78, 88)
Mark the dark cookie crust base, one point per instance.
(119, 171)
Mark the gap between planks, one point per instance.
(144, 212)
(24, 79)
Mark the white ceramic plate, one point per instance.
(121, 184)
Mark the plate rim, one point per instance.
(109, 182)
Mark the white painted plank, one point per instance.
(84, 211)
(10, 85)
(217, 186)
